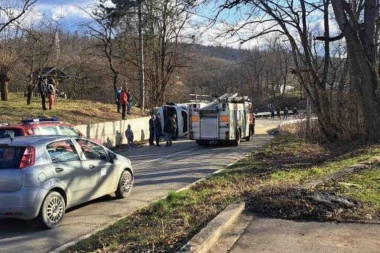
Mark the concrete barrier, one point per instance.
(113, 133)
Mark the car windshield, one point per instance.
(6, 133)
(10, 157)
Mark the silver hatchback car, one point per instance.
(42, 176)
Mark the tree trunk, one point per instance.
(4, 90)
(361, 54)
(29, 95)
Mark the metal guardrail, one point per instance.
(267, 114)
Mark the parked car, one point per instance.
(42, 176)
(40, 126)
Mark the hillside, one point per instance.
(225, 53)
(77, 112)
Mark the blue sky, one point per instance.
(69, 13)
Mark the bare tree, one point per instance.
(34, 48)
(104, 30)
(292, 19)
(10, 12)
(13, 10)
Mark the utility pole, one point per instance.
(308, 104)
(141, 58)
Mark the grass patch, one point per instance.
(265, 179)
(77, 112)
(364, 187)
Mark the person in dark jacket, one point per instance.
(157, 129)
(151, 130)
(117, 98)
(168, 130)
(295, 112)
(285, 113)
(42, 89)
(272, 113)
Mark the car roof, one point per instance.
(37, 123)
(34, 139)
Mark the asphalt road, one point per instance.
(158, 170)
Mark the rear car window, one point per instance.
(10, 157)
(6, 133)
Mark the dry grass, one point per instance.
(77, 112)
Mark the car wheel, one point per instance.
(125, 185)
(52, 210)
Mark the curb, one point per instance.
(209, 235)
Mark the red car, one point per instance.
(39, 126)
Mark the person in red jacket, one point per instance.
(123, 102)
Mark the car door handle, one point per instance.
(58, 170)
(91, 166)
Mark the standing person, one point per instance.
(174, 124)
(295, 112)
(151, 130)
(123, 102)
(51, 93)
(117, 98)
(42, 89)
(272, 113)
(157, 129)
(129, 135)
(168, 130)
(286, 113)
(129, 106)
(278, 112)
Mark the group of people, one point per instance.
(155, 129)
(286, 112)
(123, 98)
(46, 88)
